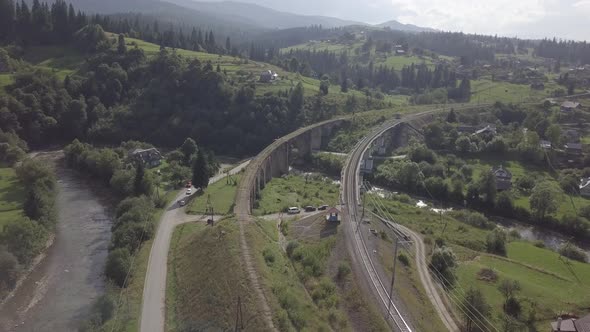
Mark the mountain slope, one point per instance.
(263, 16)
(395, 25)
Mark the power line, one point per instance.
(456, 300)
(439, 276)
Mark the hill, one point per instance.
(395, 25)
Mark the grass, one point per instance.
(585, 140)
(292, 190)
(62, 61)
(5, 80)
(222, 197)
(552, 284)
(323, 46)
(487, 91)
(206, 277)
(12, 196)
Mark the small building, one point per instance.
(571, 324)
(545, 144)
(573, 148)
(466, 129)
(488, 129)
(268, 76)
(333, 215)
(569, 106)
(585, 187)
(503, 178)
(400, 52)
(572, 135)
(149, 157)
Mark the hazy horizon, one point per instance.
(525, 18)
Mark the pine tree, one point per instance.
(200, 178)
(122, 47)
(227, 45)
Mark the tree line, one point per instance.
(23, 239)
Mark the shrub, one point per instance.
(403, 258)
(118, 266)
(269, 257)
(573, 252)
(9, 269)
(539, 244)
(343, 271)
(291, 246)
(496, 242)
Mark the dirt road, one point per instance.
(153, 313)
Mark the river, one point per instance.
(60, 291)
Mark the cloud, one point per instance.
(491, 16)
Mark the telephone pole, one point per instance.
(209, 210)
(239, 317)
(397, 243)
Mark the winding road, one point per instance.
(153, 310)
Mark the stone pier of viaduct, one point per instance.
(274, 161)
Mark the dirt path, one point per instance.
(441, 305)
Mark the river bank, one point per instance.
(59, 291)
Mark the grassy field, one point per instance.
(222, 197)
(62, 61)
(486, 91)
(551, 282)
(205, 279)
(323, 46)
(11, 197)
(293, 190)
(547, 280)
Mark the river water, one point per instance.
(60, 291)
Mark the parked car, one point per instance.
(182, 202)
(310, 208)
(189, 191)
(373, 231)
(293, 210)
(189, 184)
(323, 207)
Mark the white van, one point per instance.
(293, 210)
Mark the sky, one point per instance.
(522, 18)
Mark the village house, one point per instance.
(545, 144)
(573, 148)
(585, 187)
(572, 135)
(571, 324)
(569, 106)
(268, 76)
(488, 129)
(149, 157)
(503, 178)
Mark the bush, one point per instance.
(403, 258)
(291, 246)
(573, 252)
(9, 269)
(269, 257)
(132, 235)
(539, 244)
(343, 271)
(118, 266)
(496, 242)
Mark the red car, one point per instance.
(189, 184)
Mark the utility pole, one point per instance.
(397, 243)
(239, 317)
(209, 210)
(393, 275)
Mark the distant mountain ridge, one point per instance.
(230, 13)
(395, 25)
